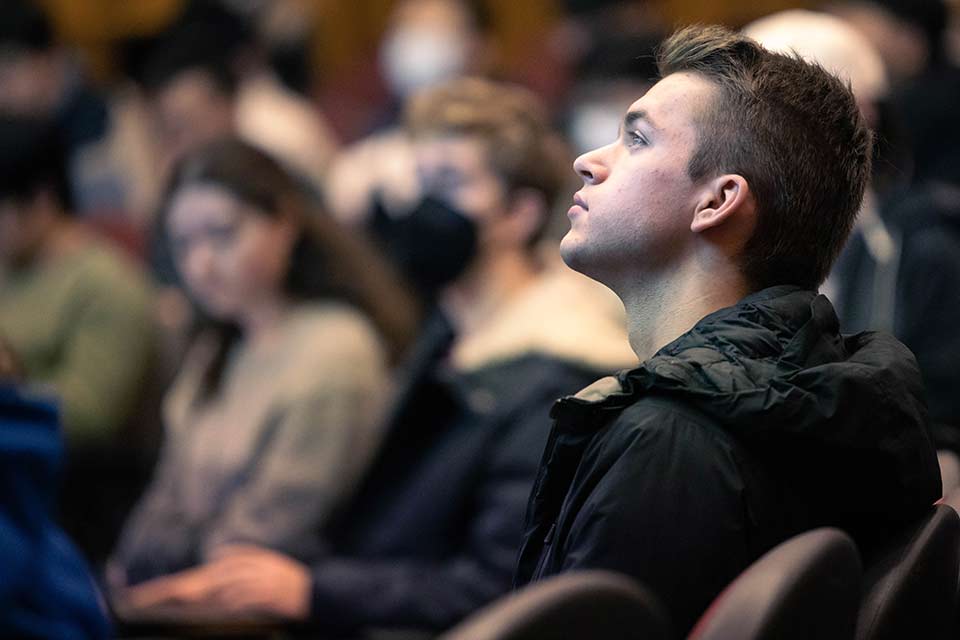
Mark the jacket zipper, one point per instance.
(545, 551)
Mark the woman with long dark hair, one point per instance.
(275, 412)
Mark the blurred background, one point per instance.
(322, 87)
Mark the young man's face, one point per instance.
(632, 217)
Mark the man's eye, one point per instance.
(634, 138)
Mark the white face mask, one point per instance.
(414, 57)
(595, 125)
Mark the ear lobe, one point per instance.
(527, 209)
(724, 197)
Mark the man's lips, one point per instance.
(580, 202)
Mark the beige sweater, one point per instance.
(285, 440)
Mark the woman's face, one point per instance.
(231, 257)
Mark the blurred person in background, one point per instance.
(426, 42)
(275, 413)
(74, 310)
(46, 589)
(207, 75)
(433, 533)
(41, 78)
(900, 268)
(613, 72)
(75, 313)
(203, 78)
(925, 83)
(908, 34)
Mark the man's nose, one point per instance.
(591, 166)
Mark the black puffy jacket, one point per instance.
(433, 533)
(759, 423)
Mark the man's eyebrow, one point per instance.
(632, 116)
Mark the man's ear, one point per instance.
(527, 210)
(722, 198)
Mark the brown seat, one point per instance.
(949, 471)
(910, 581)
(575, 605)
(806, 587)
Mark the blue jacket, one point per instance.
(46, 590)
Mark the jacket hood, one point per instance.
(842, 413)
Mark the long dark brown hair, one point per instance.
(326, 261)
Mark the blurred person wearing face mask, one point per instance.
(276, 412)
(899, 268)
(613, 72)
(426, 42)
(433, 532)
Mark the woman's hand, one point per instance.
(240, 580)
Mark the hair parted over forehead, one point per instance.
(326, 262)
(509, 120)
(794, 132)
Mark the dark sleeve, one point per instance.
(670, 512)
(355, 592)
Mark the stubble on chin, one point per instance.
(578, 255)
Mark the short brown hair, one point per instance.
(510, 120)
(794, 132)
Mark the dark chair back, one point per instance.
(949, 471)
(806, 587)
(574, 606)
(910, 581)
(952, 500)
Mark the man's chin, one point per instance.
(571, 252)
(577, 256)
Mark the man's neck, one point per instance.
(661, 310)
(490, 283)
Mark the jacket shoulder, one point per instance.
(660, 419)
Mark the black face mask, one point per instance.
(432, 244)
